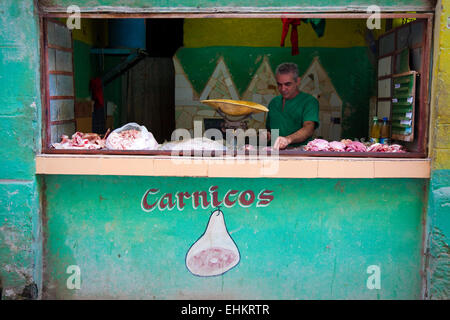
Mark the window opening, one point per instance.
(112, 77)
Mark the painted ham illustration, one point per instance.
(215, 252)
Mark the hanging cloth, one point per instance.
(96, 87)
(318, 26)
(294, 34)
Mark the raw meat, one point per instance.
(347, 145)
(336, 146)
(354, 146)
(123, 140)
(131, 136)
(317, 145)
(378, 147)
(90, 141)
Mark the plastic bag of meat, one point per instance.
(131, 137)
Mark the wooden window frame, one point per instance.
(422, 117)
(423, 106)
(45, 75)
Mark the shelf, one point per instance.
(235, 167)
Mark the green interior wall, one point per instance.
(83, 68)
(113, 91)
(355, 85)
(349, 69)
(315, 240)
(88, 66)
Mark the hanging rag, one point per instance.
(96, 87)
(294, 34)
(318, 26)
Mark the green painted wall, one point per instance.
(439, 236)
(363, 222)
(438, 230)
(315, 240)
(20, 123)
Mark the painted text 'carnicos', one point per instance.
(153, 199)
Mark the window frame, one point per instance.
(45, 76)
(424, 105)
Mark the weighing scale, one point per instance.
(235, 112)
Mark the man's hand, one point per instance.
(282, 143)
(299, 136)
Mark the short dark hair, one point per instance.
(288, 67)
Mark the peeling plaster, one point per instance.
(439, 267)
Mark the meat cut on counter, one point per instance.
(347, 145)
(80, 140)
(129, 137)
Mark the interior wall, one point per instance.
(94, 34)
(242, 46)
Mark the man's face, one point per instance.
(287, 85)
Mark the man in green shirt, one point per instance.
(295, 114)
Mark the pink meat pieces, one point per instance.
(347, 145)
(317, 145)
(355, 146)
(90, 141)
(336, 146)
(378, 147)
(396, 148)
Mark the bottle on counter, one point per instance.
(385, 132)
(375, 131)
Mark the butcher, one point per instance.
(294, 113)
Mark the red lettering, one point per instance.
(144, 204)
(204, 196)
(181, 196)
(214, 196)
(243, 198)
(264, 198)
(227, 201)
(169, 203)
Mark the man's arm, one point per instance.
(298, 136)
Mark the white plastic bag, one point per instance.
(131, 137)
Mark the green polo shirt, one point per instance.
(303, 107)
